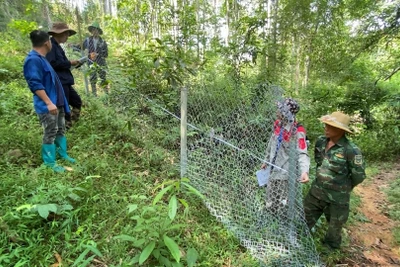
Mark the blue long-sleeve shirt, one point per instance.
(39, 75)
(60, 63)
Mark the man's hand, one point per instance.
(74, 62)
(304, 178)
(93, 56)
(52, 108)
(263, 166)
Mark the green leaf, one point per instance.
(139, 243)
(193, 190)
(94, 250)
(165, 261)
(191, 257)
(185, 179)
(67, 207)
(125, 238)
(184, 202)
(161, 194)
(146, 252)
(74, 196)
(87, 261)
(81, 257)
(173, 207)
(135, 259)
(132, 207)
(156, 253)
(25, 206)
(173, 248)
(177, 264)
(45, 209)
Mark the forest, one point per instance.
(125, 203)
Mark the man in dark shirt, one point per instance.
(58, 60)
(48, 99)
(97, 52)
(340, 167)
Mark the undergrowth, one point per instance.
(90, 216)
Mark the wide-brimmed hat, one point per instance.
(60, 27)
(95, 25)
(338, 120)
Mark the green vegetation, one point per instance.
(124, 203)
(394, 207)
(122, 198)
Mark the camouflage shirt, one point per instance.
(339, 170)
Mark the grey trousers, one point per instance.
(53, 125)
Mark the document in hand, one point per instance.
(263, 176)
(83, 60)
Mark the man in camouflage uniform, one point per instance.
(340, 167)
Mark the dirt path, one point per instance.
(372, 242)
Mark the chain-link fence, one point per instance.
(234, 129)
(230, 132)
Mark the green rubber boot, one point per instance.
(61, 145)
(49, 157)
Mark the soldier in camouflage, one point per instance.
(340, 167)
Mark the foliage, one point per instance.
(154, 229)
(118, 163)
(394, 199)
(329, 55)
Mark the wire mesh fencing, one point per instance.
(234, 130)
(229, 134)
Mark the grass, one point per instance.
(393, 194)
(119, 165)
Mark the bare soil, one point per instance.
(372, 242)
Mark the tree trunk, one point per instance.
(307, 64)
(198, 28)
(227, 23)
(273, 10)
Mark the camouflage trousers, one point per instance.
(336, 215)
(53, 125)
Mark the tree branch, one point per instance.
(392, 73)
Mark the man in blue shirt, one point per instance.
(48, 99)
(60, 63)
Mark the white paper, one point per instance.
(83, 59)
(263, 176)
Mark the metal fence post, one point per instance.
(183, 131)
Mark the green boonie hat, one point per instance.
(95, 25)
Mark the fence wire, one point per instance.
(268, 221)
(229, 132)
